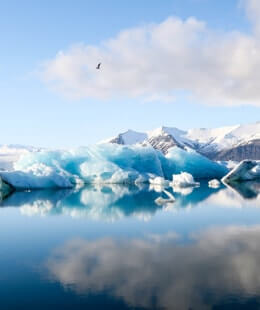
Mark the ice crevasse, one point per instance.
(107, 163)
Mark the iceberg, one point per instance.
(214, 183)
(107, 164)
(183, 179)
(188, 160)
(37, 176)
(247, 170)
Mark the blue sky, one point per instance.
(35, 112)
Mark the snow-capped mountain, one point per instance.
(225, 143)
(129, 137)
(164, 138)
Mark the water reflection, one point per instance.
(110, 202)
(248, 190)
(215, 267)
(113, 202)
(237, 195)
(177, 261)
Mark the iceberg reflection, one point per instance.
(110, 202)
(218, 266)
(248, 190)
(113, 202)
(237, 195)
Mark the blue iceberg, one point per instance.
(107, 163)
(200, 167)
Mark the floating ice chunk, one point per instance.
(159, 181)
(167, 201)
(247, 170)
(171, 197)
(214, 183)
(183, 179)
(158, 184)
(162, 201)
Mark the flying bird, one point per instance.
(98, 66)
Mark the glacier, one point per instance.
(107, 164)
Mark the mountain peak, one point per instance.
(215, 143)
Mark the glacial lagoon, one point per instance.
(114, 247)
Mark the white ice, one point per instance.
(159, 181)
(247, 170)
(183, 179)
(214, 183)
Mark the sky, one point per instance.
(178, 63)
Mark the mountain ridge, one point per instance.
(236, 142)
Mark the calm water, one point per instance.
(113, 247)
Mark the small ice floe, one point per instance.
(184, 179)
(159, 181)
(165, 201)
(158, 184)
(214, 183)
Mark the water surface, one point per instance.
(114, 247)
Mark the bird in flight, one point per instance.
(98, 66)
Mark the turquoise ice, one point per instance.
(107, 163)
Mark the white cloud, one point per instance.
(159, 60)
(252, 8)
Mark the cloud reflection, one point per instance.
(214, 265)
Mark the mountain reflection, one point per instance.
(110, 202)
(216, 266)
